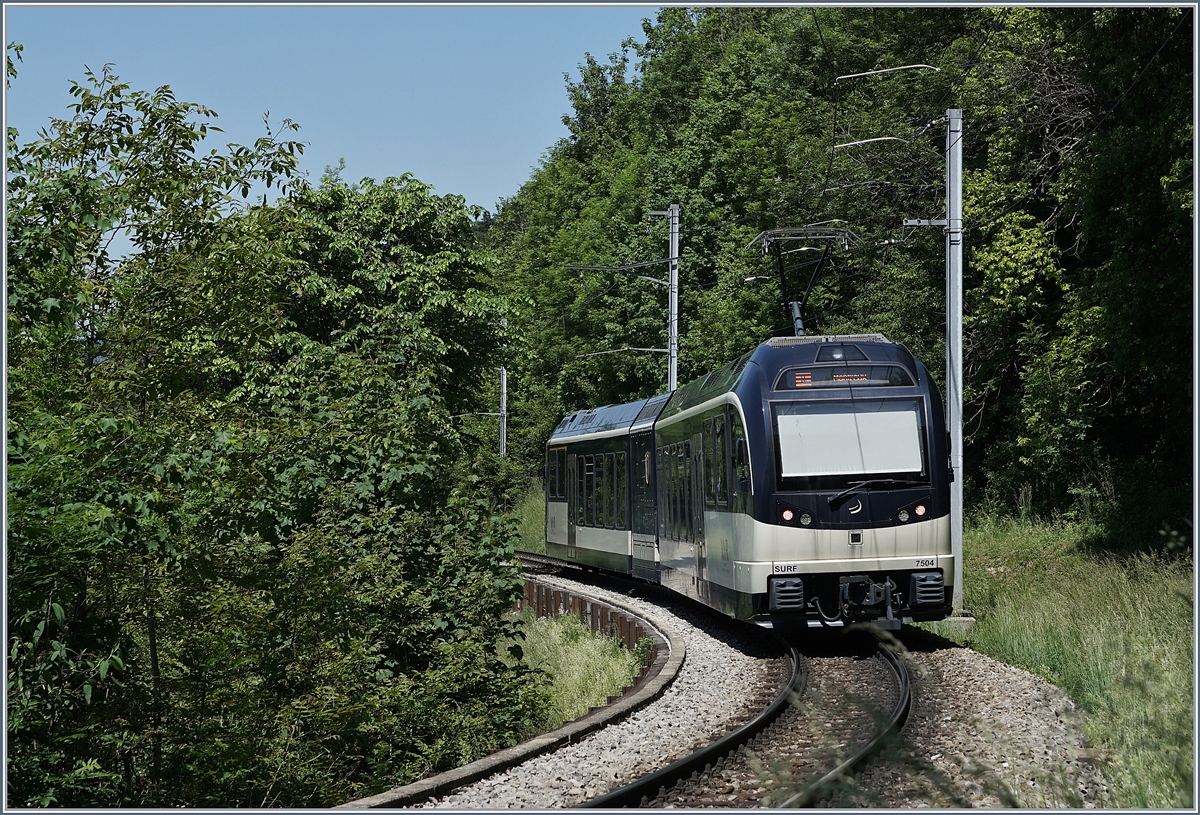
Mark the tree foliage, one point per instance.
(1077, 204)
(241, 570)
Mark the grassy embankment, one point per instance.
(583, 668)
(1113, 631)
(530, 512)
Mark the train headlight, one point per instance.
(805, 519)
(902, 515)
(788, 515)
(920, 510)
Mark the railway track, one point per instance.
(853, 699)
(770, 736)
(781, 742)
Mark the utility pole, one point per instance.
(672, 284)
(672, 212)
(503, 400)
(503, 411)
(954, 306)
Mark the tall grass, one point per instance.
(583, 668)
(1116, 633)
(530, 513)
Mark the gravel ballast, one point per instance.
(717, 689)
(981, 734)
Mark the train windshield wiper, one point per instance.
(858, 486)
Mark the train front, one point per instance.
(851, 495)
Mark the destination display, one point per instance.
(844, 376)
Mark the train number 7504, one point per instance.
(924, 562)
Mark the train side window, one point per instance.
(679, 494)
(687, 491)
(622, 491)
(562, 473)
(674, 465)
(718, 468)
(661, 490)
(740, 459)
(669, 470)
(610, 490)
(598, 490)
(606, 492)
(580, 484)
(589, 491)
(710, 496)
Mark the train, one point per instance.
(805, 484)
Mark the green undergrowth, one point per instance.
(530, 513)
(1114, 631)
(582, 668)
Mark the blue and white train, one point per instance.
(807, 483)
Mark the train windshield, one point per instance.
(826, 444)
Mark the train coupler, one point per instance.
(860, 590)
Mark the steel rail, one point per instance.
(811, 793)
(631, 795)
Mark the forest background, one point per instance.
(257, 549)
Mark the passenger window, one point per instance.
(612, 490)
(675, 496)
(661, 489)
(580, 491)
(687, 490)
(739, 455)
(562, 473)
(718, 468)
(710, 495)
(621, 491)
(589, 491)
(603, 516)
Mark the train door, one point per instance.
(644, 521)
(573, 499)
(697, 519)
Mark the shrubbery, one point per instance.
(242, 569)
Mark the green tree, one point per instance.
(235, 574)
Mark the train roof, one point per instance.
(771, 356)
(598, 420)
(788, 351)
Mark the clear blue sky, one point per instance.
(466, 98)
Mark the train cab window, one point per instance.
(827, 444)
